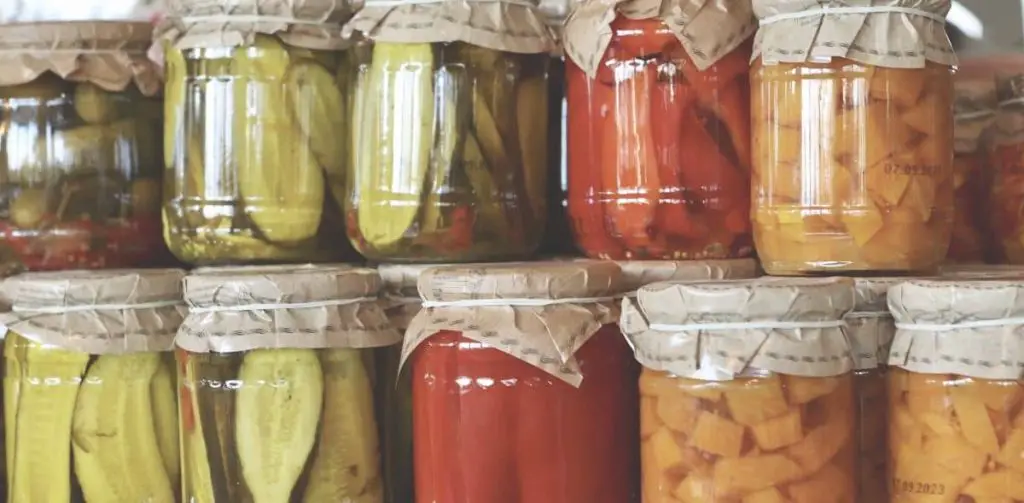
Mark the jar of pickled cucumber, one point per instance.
(659, 129)
(557, 233)
(276, 372)
(256, 113)
(402, 302)
(1007, 156)
(528, 357)
(89, 385)
(853, 136)
(955, 391)
(450, 163)
(975, 105)
(638, 273)
(871, 329)
(747, 391)
(80, 145)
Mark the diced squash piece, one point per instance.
(770, 495)
(823, 442)
(695, 488)
(705, 390)
(831, 484)
(666, 452)
(717, 435)
(996, 394)
(973, 419)
(655, 480)
(757, 400)
(997, 484)
(779, 432)
(939, 425)
(679, 412)
(656, 384)
(955, 455)
(1012, 453)
(804, 389)
(739, 476)
(649, 421)
(927, 393)
(905, 432)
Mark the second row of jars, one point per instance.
(537, 383)
(275, 149)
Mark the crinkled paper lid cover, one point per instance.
(637, 273)
(972, 327)
(136, 310)
(505, 26)
(870, 326)
(707, 29)
(400, 295)
(546, 336)
(313, 24)
(657, 324)
(974, 110)
(110, 54)
(307, 306)
(888, 39)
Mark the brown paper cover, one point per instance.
(995, 352)
(110, 54)
(887, 39)
(974, 107)
(637, 273)
(103, 330)
(707, 29)
(312, 24)
(399, 293)
(494, 24)
(871, 327)
(546, 337)
(1009, 126)
(360, 324)
(730, 352)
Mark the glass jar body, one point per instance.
(752, 438)
(394, 409)
(951, 436)
(450, 161)
(255, 153)
(280, 423)
(853, 167)
(971, 240)
(547, 442)
(80, 176)
(59, 406)
(872, 432)
(1006, 198)
(659, 151)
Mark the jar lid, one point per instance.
(961, 326)
(109, 54)
(402, 280)
(234, 309)
(637, 273)
(97, 312)
(870, 325)
(717, 330)
(554, 280)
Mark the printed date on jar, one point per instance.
(893, 168)
(917, 487)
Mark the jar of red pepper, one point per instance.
(524, 389)
(659, 128)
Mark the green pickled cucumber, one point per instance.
(217, 419)
(280, 180)
(318, 108)
(451, 91)
(475, 165)
(531, 97)
(94, 105)
(395, 140)
(175, 87)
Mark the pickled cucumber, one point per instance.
(175, 87)
(319, 110)
(94, 105)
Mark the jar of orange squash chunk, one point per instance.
(746, 391)
(871, 329)
(956, 429)
(1007, 151)
(852, 137)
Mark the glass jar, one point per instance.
(1007, 158)
(659, 151)
(80, 151)
(451, 164)
(754, 438)
(255, 162)
(90, 409)
(548, 442)
(852, 166)
(278, 394)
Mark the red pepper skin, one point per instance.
(83, 244)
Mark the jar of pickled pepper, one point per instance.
(638, 273)
(79, 145)
(277, 384)
(256, 113)
(1006, 198)
(871, 329)
(89, 385)
(746, 392)
(853, 136)
(955, 391)
(450, 162)
(975, 105)
(528, 357)
(659, 129)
